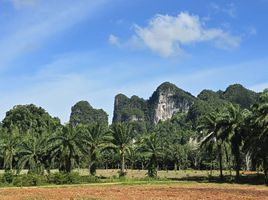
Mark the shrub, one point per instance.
(29, 180)
(64, 178)
(90, 179)
(7, 177)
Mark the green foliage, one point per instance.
(83, 113)
(60, 178)
(66, 147)
(29, 180)
(122, 138)
(213, 134)
(95, 139)
(32, 152)
(30, 118)
(8, 177)
(237, 94)
(9, 146)
(207, 101)
(152, 150)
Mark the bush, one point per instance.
(90, 179)
(64, 178)
(7, 177)
(29, 180)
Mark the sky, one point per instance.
(54, 53)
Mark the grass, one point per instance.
(137, 177)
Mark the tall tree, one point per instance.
(30, 118)
(122, 134)
(95, 139)
(151, 148)
(233, 132)
(66, 147)
(8, 146)
(258, 139)
(212, 128)
(31, 153)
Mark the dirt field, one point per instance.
(182, 191)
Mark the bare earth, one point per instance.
(137, 192)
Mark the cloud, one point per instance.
(23, 3)
(167, 35)
(58, 85)
(228, 9)
(114, 40)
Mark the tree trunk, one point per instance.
(248, 162)
(92, 163)
(265, 169)
(220, 160)
(236, 152)
(237, 168)
(228, 160)
(68, 165)
(175, 166)
(122, 170)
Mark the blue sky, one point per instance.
(55, 53)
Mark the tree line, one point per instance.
(230, 138)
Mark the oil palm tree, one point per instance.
(211, 126)
(122, 139)
(150, 147)
(95, 139)
(233, 132)
(8, 147)
(66, 147)
(259, 137)
(31, 153)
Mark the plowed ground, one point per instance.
(138, 192)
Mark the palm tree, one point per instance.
(150, 147)
(66, 147)
(211, 126)
(8, 147)
(31, 153)
(233, 130)
(122, 139)
(258, 140)
(96, 139)
(132, 155)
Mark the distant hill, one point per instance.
(168, 99)
(84, 113)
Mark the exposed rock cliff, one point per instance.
(165, 101)
(168, 99)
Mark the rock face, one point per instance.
(168, 99)
(165, 101)
(84, 113)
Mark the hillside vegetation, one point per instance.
(172, 130)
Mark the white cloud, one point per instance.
(23, 3)
(113, 40)
(228, 9)
(166, 35)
